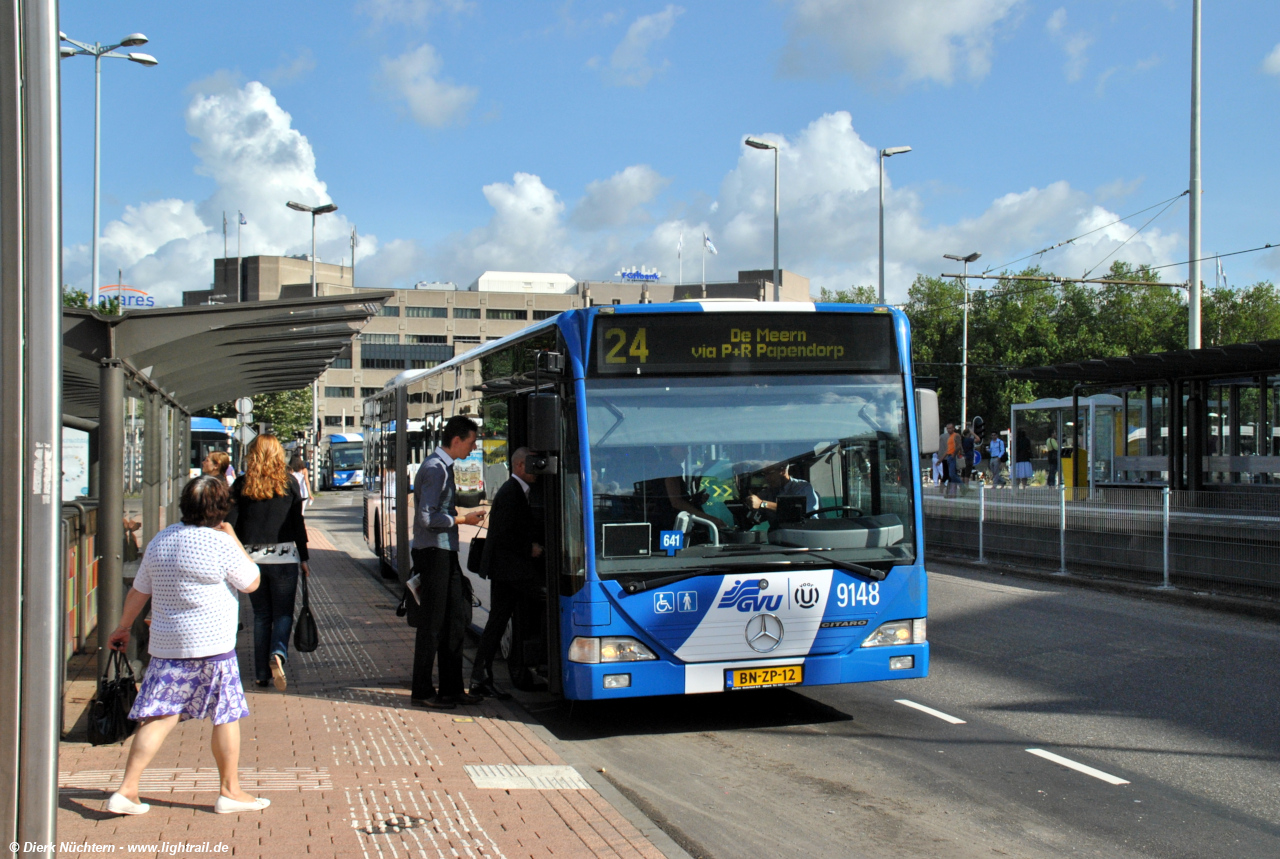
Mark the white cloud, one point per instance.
(630, 64)
(432, 102)
(927, 40)
(413, 12)
(829, 208)
(1271, 65)
(292, 70)
(1074, 45)
(246, 144)
(617, 200)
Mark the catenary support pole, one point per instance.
(1193, 233)
(40, 693)
(12, 457)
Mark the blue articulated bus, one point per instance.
(341, 461)
(729, 492)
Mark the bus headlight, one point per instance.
(898, 632)
(592, 650)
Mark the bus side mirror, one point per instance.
(544, 423)
(927, 420)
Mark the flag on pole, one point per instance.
(706, 240)
(1222, 275)
(242, 219)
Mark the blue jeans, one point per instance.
(272, 615)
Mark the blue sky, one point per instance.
(585, 136)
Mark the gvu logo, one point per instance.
(747, 597)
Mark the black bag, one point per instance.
(470, 603)
(109, 720)
(476, 554)
(306, 638)
(409, 609)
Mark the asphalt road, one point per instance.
(1181, 703)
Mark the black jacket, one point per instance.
(508, 549)
(270, 520)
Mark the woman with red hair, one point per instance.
(267, 517)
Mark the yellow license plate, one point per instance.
(759, 678)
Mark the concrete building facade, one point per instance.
(421, 327)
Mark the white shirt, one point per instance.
(192, 575)
(523, 485)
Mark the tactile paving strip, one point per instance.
(510, 777)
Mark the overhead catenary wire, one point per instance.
(1043, 251)
(1133, 236)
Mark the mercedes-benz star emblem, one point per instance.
(764, 633)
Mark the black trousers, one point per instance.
(440, 631)
(505, 597)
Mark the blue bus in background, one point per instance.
(341, 459)
(729, 492)
(207, 435)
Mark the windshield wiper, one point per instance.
(636, 586)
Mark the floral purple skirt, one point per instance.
(206, 688)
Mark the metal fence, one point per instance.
(1226, 541)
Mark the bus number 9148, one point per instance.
(859, 594)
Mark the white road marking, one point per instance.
(1078, 767)
(932, 712)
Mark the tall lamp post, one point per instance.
(98, 50)
(315, 386)
(885, 153)
(964, 360)
(757, 143)
(314, 210)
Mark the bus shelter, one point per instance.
(1088, 433)
(1191, 419)
(174, 361)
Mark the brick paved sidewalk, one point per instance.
(351, 769)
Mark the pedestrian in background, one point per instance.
(442, 621)
(996, 457)
(1051, 454)
(191, 572)
(954, 450)
(1022, 471)
(267, 517)
(512, 564)
(298, 471)
(966, 454)
(218, 464)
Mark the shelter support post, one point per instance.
(1175, 413)
(151, 439)
(110, 505)
(403, 557)
(1062, 529)
(982, 520)
(1164, 525)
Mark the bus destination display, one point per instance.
(673, 343)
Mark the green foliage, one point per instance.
(77, 298)
(852, 295)
(287, 412)
(1030, 324)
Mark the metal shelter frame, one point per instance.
(1187, 375)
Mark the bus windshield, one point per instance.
(730, 471)
(347, 456)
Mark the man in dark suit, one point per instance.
(435, 560)
(512, 564)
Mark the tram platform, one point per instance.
(351, 768)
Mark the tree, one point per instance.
(288, 413)
(853, 295)
(77, 298)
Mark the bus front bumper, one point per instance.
(660, 677)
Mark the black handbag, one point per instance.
(409, 609)
(476, 554)
(306, 638)
(109, 720)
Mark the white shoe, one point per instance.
(121, 804)
(227, 805)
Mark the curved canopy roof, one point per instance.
(204, 355)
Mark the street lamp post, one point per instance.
(964, 360)
(885, 153)
(97, 50)
(757, 143)
(314, 210)
(315, 386)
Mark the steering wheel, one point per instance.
(855, 511)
